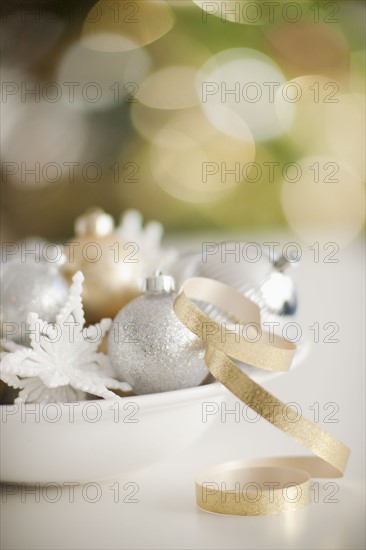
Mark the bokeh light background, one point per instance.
(203, 115)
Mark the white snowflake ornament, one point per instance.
(62, 363)
(148, 238)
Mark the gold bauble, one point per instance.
(113, 268)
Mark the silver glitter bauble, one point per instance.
(29, 287)
(150, 348)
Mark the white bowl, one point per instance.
(93, 440)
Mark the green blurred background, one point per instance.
(60, 41)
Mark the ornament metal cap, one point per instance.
(283, 262)
(159, 282)
(94, 222)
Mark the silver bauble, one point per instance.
(29, 287)
(263, 281)
(150, 348)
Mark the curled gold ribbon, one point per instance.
(264, 350)
(262, 486)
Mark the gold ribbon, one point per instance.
(262, 486)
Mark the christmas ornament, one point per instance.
(62, 362)
(148, 239)
(96, 251)
(150, 348)
(28, 286)
(278, 291)
(247, 268)
(114, 261)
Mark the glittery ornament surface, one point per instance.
(152, 350)
(29, 286)
(62, 362)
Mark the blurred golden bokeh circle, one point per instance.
(140, 21)
(323, 199)
(171, 87)
(313, 98)
(244, 81)
(193, 161)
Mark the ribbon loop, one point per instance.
(265, 350)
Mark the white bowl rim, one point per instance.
(147, 402)
(162, 400)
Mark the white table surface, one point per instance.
(165, 515)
